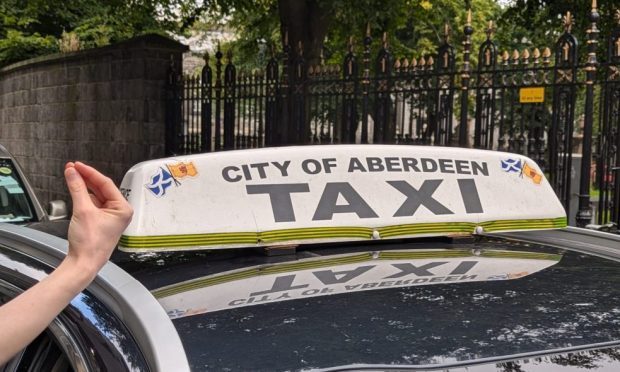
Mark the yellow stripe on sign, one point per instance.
(172, 242)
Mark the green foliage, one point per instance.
(414, 27)
(258, 30)
(16, 46)
(69, 42)
(34, 27)
(538, 23)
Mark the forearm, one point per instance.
(26, 316)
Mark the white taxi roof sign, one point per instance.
(292, 195)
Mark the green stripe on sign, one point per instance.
(171, 242)
(531, 224)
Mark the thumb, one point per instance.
(77, 188)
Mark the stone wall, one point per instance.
(103, 106)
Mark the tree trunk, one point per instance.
(303, 25)
(306, 22)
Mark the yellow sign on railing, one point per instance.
(532, 95)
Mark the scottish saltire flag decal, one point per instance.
(160, 181)
(512, 165)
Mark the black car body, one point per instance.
(563, 317)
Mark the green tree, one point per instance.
(414, 27)
(536, 23)
(34, 27)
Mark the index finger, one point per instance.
(100, 184)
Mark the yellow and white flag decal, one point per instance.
(344, 274)
(329, 193)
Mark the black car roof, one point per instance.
(574, 303)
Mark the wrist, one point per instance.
(79, 272)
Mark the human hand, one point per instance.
(98, 219)
(96, 225)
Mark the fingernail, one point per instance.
(71, 174)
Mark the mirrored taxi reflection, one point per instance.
(367, 271)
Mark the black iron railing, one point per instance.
(520, 101)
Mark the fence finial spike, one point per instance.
(311, 70)
(405, 62)
(618, 16)
(368, 29)
(546, 52)
(397, 64)
(490, 30)
(218, 53)
(505, 56)
(300, 48)
(594, 5)
(515, 56)
(430, 61)
(468, 23)
(414, 62)
(536, 53)
(422, 61)
(206, 57)
(285, 36)
(350, 44)
(525, 55)
(568, 22)
(322, 57)
(384, 40)
(446, 32)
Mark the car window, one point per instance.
(14, 201)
